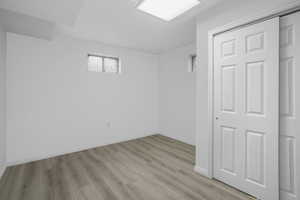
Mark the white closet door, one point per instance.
(246, 109)
(290, 107)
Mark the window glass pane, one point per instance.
(100, 64)
(103, 64)
(93, 63)
(111, 65)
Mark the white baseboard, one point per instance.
(178, 139)
(55, 154)
(33, 159)
(202, 171)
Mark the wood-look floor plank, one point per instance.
(151, 168)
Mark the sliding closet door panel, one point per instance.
(289, 107)
(246, 109)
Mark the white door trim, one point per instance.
(255, 18)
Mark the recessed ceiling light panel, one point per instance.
(167, 9)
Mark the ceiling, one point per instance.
(115, 22)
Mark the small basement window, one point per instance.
(106, 64)
(192, 63)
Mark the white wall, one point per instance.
(177, 95)
(227, 13)
(54, 106)
(2, 101)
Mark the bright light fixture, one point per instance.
(167, 9)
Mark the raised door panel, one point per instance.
(255, 157)
(228, 48)
(255, 42)
(255, 88)
(228, 150)
(287, 164)
(228, 88)
(286, 33)
(287, 86)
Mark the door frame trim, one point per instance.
(253, 19)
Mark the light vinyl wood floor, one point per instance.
(150, 168)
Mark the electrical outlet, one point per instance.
(108, 124)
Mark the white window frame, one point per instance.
(103, 57)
